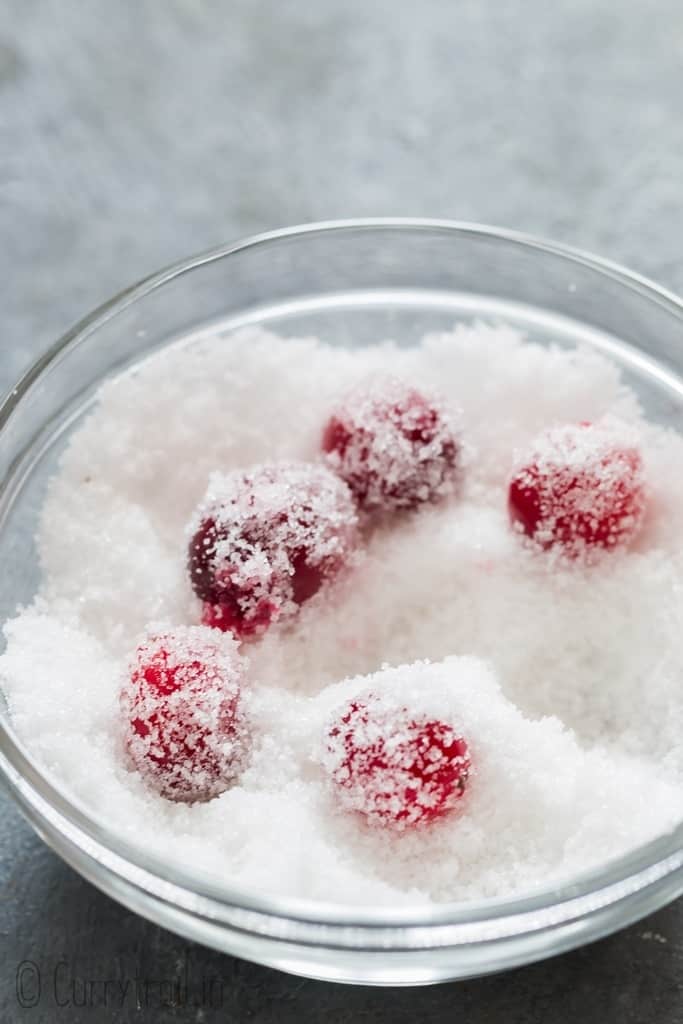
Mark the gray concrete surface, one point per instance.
(136, 132)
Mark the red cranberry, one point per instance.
(185, 731)
(394, 767)
(580, 487)
(265, 541)
(394, 446)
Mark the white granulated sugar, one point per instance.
(565, 679)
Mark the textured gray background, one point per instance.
(136, 132)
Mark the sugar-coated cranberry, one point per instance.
(396, 447)
(185, 730)
(580, 487)
(396, 768)
(264, 541)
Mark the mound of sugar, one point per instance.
(596, 648)
(533, 792)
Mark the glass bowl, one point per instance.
(350, 283)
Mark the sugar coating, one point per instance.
(395, 447)
(265, 540)
(571, 707)
(581, 487)
(396, 766)
(183, 724)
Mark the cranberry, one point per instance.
(394, 446)
(185, 731)
(265, 541)
(580, 487)
(396, 768)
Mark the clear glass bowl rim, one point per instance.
(54, 814)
